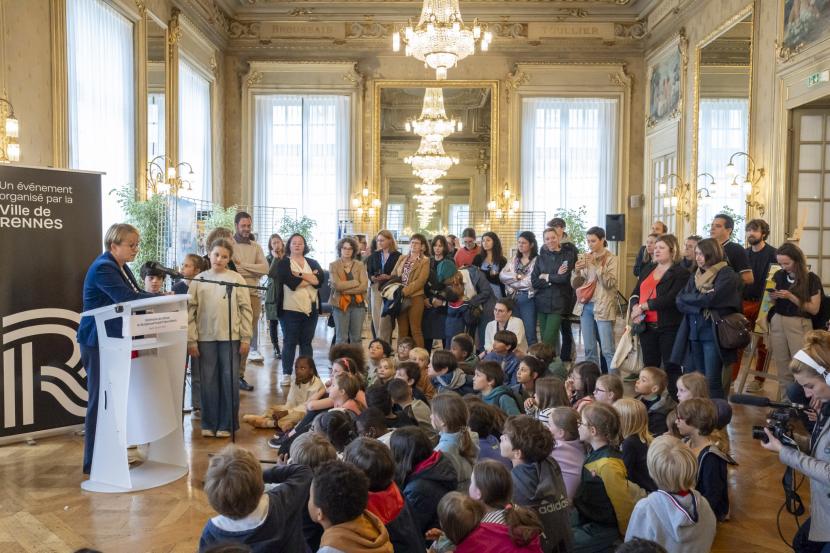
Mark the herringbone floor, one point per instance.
(43, 509)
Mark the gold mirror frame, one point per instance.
(708, 39)
(380, 84)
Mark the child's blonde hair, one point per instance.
(696, 383)
(633, 418)
(671, 464)
(612, 384)
(390, 362)
(421, 354)
(658, 376)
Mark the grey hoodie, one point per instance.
(681, 524)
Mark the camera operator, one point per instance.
(809, 367)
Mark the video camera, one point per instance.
(778, 420)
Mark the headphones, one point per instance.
(805, 358)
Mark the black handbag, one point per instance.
(733, 330)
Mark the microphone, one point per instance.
(156, 266)
(761, 401)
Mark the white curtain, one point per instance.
(101, 97)
(301, 160)
(724, 130)
(569, 155)
(195, 132)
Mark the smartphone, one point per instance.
(565, 264)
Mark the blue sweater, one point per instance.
(105, 284)
(282, 529)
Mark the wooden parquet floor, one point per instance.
(43, 509)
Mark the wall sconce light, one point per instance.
(749, 182)
(503, 205)
(169, 181)
(680, 196)
(9, 146)
(365, 203)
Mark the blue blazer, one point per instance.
(105, 284)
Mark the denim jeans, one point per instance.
(590, 328)
(526, 311)
(706, 359)
(220, 386)
(297, 330)
(348, 324)
(91, 360)
(195, 383)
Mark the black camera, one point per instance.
(778, 423)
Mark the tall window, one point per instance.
(568, 155)
(724, 130)
(155, 125)
(194, 131)
(661, 207)
(395, 217)
(101, 97)
(301, 160)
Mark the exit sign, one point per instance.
(820, 77)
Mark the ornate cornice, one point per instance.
(784, 54)
(369, 30)
(141, 7)
(514, 80)
(636, 30)
(174, 28)
(254, 78)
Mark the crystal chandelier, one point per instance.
(426, 207)
(9, 146)
(441, 39)
(433, 124)
(430, 162)
(428, 188)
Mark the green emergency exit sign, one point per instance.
(819, 77)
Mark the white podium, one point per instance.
(140, 399)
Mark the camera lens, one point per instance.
(759, 434)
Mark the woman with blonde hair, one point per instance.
(636, 440)
(809, 368)
(379, 267)
(654, 307)
(413, 270)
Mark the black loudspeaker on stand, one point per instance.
(615, 227)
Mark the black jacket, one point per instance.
(555, 294)
(672, 283)
(425, 489)
(375, 266)
(540, 487)
(281, 272)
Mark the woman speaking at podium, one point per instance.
(108, 281)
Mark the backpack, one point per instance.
(509, 391)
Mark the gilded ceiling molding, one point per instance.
(240, 29)
(514, 80)
(254, 78)
(300, 12)
(369, 30)
(214, 66)
(636, 30)
(509, 30)
(784, 54)
(174, 28)
(141, 7)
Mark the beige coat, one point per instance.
(605, 294)
(417, 277)
(358, 285)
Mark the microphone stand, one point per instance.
(229, 286)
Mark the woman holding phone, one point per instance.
(551, 279)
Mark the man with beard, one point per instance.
(761, 256)
(251, 264)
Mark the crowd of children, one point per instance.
(407, 451)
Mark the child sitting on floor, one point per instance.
(504, 345)
(537, 479)
(582, 383)
(410, 372)
(489, 382)
(421, 356)
(677, 516)
(636, 440)
(305, 385)
(405, 346)
(403, 402)
(445, 376)
(385, 371)
(530, 370)
(266, 521)
(608, 389)
(338, 499)
(651, 389)
(549, 393)
(696, 420)
(568, 449)
(463, 349)
(449, 418)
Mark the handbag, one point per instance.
(585, 293)
(733, 330)
(628, 357)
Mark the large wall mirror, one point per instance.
(463, 188)
(723, 77)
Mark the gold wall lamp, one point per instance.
(749, 182)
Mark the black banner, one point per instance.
(50, 231)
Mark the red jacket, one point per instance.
(494, 538)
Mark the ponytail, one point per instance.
(522, 524)
(466, 447)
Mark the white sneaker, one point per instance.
(286, 380)
(223, 434)
(255, 356)
(754, 387)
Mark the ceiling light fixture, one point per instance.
(440, 39)
(433, 124)
(430, 162)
